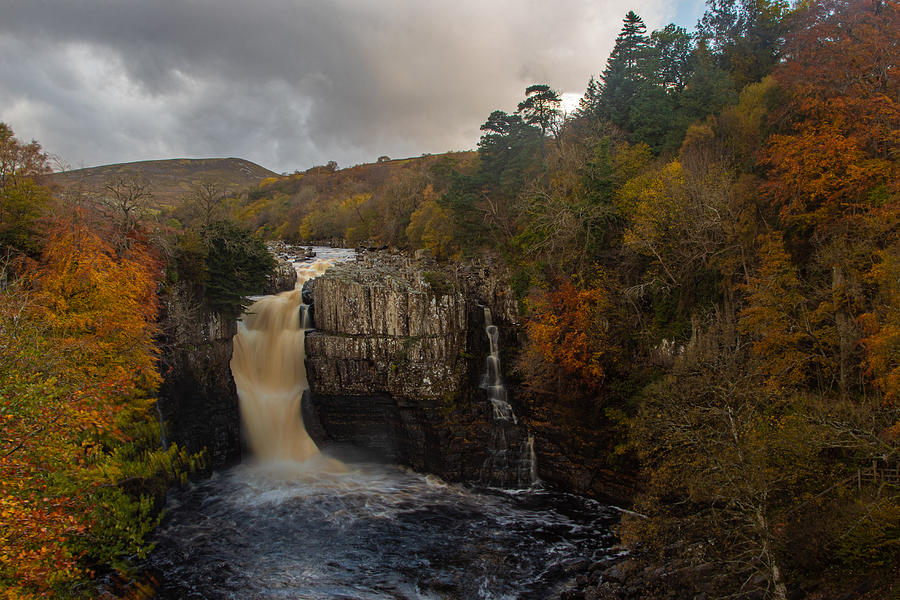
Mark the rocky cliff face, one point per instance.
(394, 367)
(198, 399)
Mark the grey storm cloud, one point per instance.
(287, 83)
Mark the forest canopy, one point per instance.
(706, 256)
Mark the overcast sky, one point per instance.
(290, 84)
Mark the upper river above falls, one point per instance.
(298, 524)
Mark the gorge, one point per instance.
(391, 381)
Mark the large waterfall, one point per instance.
(294, 524)
(269, 372)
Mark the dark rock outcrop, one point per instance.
(283, 277)
(197, 399)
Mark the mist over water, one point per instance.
(282, 531)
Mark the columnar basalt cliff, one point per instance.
(397, 366)
(394, 367)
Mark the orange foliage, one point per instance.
(882, 326)
(76, 354)
(569, 332)
(99, 305)
(837, 157)
(777, 317)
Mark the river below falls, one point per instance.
(287, 531)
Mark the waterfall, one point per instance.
(270, 375)
(493, 380)
(511, 458)
(529, 462)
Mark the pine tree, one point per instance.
(622, 75)
(540, 107)
(589, 105)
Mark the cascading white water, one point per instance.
(304, 530)
(493, 380)
(515, 460)
(269, 372)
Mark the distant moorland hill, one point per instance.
(170, 180)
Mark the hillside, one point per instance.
(171, 180)
(368, 202)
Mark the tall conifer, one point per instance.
(623, 70)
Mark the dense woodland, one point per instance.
(83, 276)
(707, 255)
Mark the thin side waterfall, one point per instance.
(269, 373)
(493, 380)
(529, 462)
(511, 458)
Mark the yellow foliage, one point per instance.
(101, 307)
(430, 227)
(76, 371)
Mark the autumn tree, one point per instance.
(882, 326)
(429, 227)
(394, 205)
(836, 157)
(793, 340)
(571, 337)
(685, 218)
(724, 458)
(81, 475)
(22, 199)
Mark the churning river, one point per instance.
(297, 524)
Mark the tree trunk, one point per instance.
(779, 589)
(842, 320)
